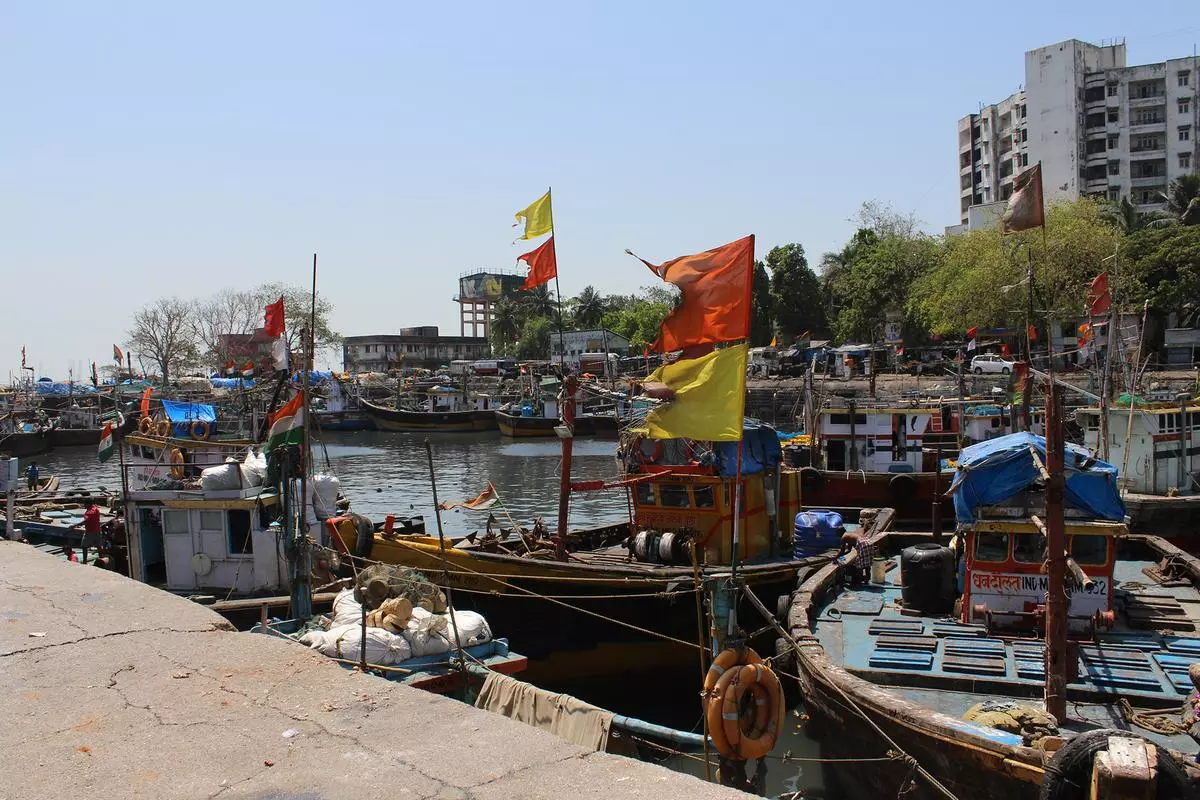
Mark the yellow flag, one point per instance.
(773, 341)
(710, 398)
(538, 218)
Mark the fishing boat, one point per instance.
(943, 664)
(20, 437)
(1157, 445)
(437, 409)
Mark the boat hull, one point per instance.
(1176, 519)
(75, 437)
(399, 420)
(525, 427)
(344, 421)
(19, 445)
(911, 494)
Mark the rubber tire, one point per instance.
(1069, 772)
(979, 370)
(811, 479)
(364, 542)
(783, 606)
(902, 488)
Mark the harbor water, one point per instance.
(387, 473)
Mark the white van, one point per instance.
(462, 367)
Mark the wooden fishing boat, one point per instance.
(526, 427)
(23, 443)
(946, 667)
(400, 419)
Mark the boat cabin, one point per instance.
(1158, 447)
(159, 461)
(191, 541)
(876, 439)
(1003, 582)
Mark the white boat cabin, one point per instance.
(195, 542)
(442, 399)
(1159, 453)
(155, 461)
(874, 439)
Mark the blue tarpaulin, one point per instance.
(760, 450)
(316, 376)
(51, 389)
(232, 383)
(182, 415)
(993, 471)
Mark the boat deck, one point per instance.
(949, 666)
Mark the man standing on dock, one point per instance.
(91, 530)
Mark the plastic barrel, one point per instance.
(816, 532)
(927, 576)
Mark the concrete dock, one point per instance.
(114, 689)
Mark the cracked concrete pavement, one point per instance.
(117, 690)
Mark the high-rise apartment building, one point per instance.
(1097, 126)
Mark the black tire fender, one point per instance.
(364, 541)
(811, 479)
(903, 487)
(1068, 775)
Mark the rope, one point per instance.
(1151, 722)
(663, 595)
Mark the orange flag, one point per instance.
(146, 402)
(716, 296)
(543, 266)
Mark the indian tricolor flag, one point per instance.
(287, 424)
(106, 442)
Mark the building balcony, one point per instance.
(1149, 207)
(1092, 159)
(1136, 154)
(1149, 127)
(1151, 182)
(1092, 106)
(1096, 133)
(1147, 102)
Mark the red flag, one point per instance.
(716, 287)
(1032, 331)
(543, 265)
(971, 332)
(118, 356)
(146, 402)
(274, 319)
(1004, 351)
(22, 356)
(1099, 299)
(1026, 208)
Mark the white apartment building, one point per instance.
(1097, 126)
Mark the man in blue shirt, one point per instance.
(31, 476)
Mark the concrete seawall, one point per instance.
(113, 689)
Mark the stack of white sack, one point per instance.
(345, 641)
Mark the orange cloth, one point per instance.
(543, 264)
(146, 402)
(716, 296)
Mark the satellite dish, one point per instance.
(201, 564)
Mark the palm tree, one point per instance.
(588, 308)
(1124, 216)
(506, 325)
(540, 302)
(1183, 199)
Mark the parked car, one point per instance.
(991, 363)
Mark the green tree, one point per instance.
(1183, 199)
(587, 308)
(877, 279)
(795, 291)
(534, 343)
(507, 321)
(540, 302)
(1165, 264)
(297, 306)
(762, 314)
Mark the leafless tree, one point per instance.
(225, 313)
(164, 333)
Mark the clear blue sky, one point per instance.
(179, 148)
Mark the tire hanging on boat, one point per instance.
(1069, 772)
(736, 679)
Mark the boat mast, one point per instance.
(302, 572)
(1056, 597)
(564, 479)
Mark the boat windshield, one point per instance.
(674, 495)
(1029, 549)
(991, 547)
(1089, 549)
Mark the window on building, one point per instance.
(1112, 90)
(1114, 141)
(1184, 105)
(1185, 160)
(1089, 550)
(1185, 133)
(1114, 195)
(1183, 78)
(1022, 111)
(1114, 168)
(965, 160)
(1114, 115)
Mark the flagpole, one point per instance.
(737, 486)
(562, 347)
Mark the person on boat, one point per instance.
(31, 476)
(859, 570)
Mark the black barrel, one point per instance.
(927, 577)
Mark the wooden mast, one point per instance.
(1056, 596)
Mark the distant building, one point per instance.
(412, 347)
(576, 343)
(1098, 127)
(478, 293)
(243, 348)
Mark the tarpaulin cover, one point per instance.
(760, 450)
(188, 412)
(993, 471)
(316, 376)
(232, 383)
(52, 389)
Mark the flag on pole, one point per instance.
(1099, 298)
(1031, 331)
(286, 424)
(704, 397)
(118, 356)
(105, 450)
(248, 369)
(971, 332)
(774, 340)
(95, 377)
(538, 217)
(483, 501)
(543, 265)
(146, 402)
(1025, 208)
(274, 327)
(716, 296)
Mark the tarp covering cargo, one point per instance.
(52, 389)
(189, 412)
(993, 471)
(760, 450)
(232, 383)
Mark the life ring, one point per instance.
(200, 430)
(743, 677)
(146, 426)
(177, 464)
(163, 428)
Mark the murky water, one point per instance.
(388, 473)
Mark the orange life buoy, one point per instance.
(146, 426)
(177, 464)
(736, 732)
(163, 428)
(200, 430)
